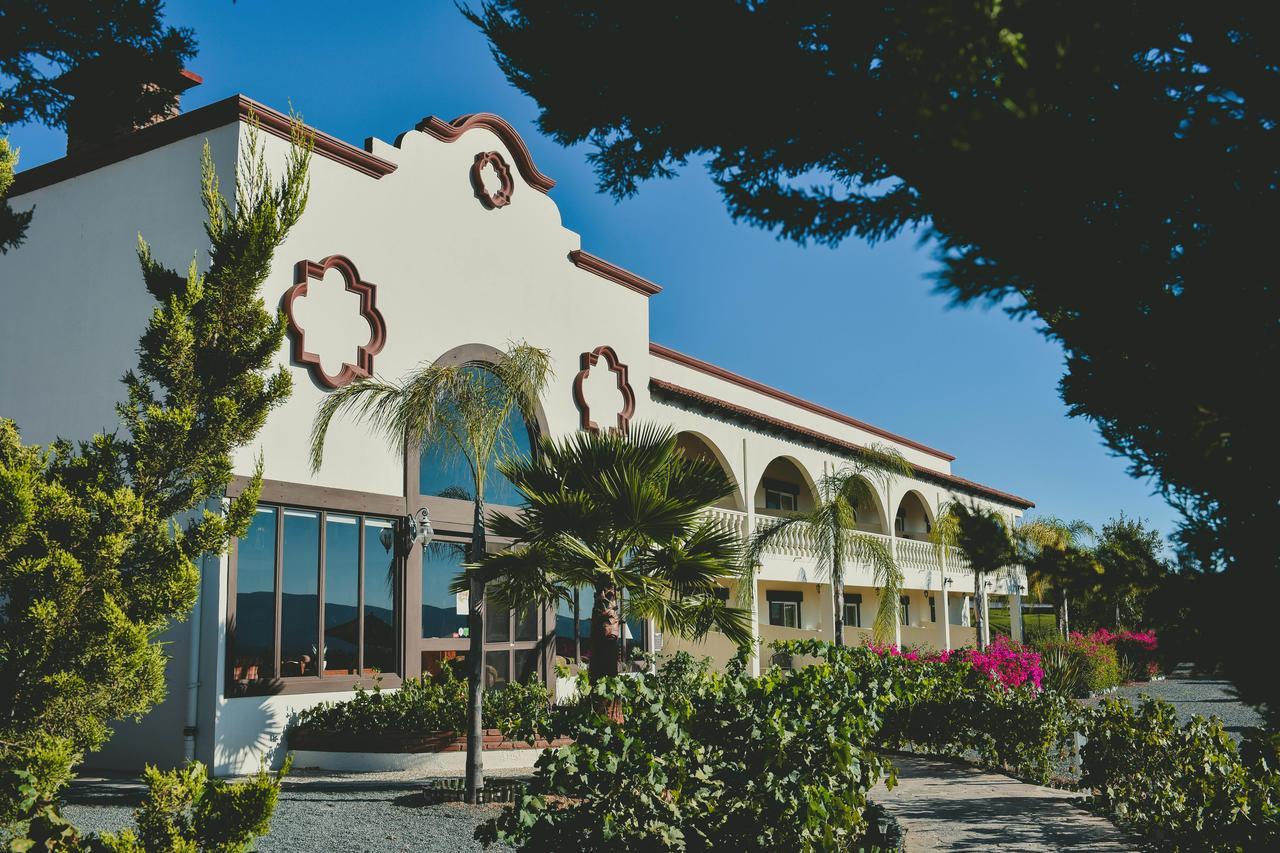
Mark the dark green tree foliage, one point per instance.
(1129, 553)
(1110, 170)
(124, 44)
(106, 65)
(99, 539)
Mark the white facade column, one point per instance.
(753, 663)
(893, 551)
(1015, 617)
(946, 615)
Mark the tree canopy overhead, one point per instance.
(1109, 170)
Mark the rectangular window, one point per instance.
(784, 607)
(780, 495)
(853, 609)
(315, 596)
(905, 605)
(341, 595)
(933, 609)
(444, 613)
(784, 613)
(253, 659)
(779, 500)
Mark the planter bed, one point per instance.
(427, 752)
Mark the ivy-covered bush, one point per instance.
(1187, 787)
(701, 760)
(432, 704)
(945, 705)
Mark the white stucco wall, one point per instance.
(74, 303)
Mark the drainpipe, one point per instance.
(193, 671)
(193, 652)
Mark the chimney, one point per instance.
(114, 95)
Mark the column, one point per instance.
(1015, 617)
(893, 551)
(753, 663)
(946, 616)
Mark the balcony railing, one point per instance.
(910, 554)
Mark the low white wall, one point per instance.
(438, 763)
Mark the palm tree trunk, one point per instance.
(837, 593)
(475, 654)
(606, 632)
(577, 627)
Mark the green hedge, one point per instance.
(432, 704)
(1186, 787)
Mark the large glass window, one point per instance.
(444, 613)
(254, 656)
(443, 472)
(341, 595)
(332, 579)
(381, 619)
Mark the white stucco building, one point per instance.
(443, 244)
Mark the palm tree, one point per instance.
(830, 529)
(982, 535)
(1056, 558)
(624, 515)
(463, 409)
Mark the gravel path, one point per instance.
(319, 812)
(1191, 695)
(953, 806)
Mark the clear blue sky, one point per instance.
(854, 328)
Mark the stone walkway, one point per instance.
(946, 806)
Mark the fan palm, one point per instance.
(462, 409)
(623, 515)
(1057, 558)
(830, 529)
(982, 535)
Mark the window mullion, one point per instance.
(360, 599)
(279, 584)
(320, 649)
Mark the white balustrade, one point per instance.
(911, 554)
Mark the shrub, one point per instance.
(708, 761)
(432, 704)
(1187, 787)
(1063, 670)
(1094, 658)
(184, 811)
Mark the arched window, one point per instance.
(444, 472)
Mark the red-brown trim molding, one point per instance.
(492, 200)
(588, 361)
(720, 373)
(604, 269)
(450, 131)
(202, 120)
(367, 291)
(697, 398)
